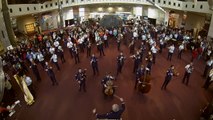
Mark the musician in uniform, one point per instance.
(171, 51)
(142, 50)
(114, 114)
(70, 46)
(137, 61)
(139, 74)
(40, 58)
(35, 71)
(149, 61)
(80, 77)
(100, 48)
(209, 80)
(94, 63)
(168, 78)
(54, 59)
(188, 70)
(88, 46)
(154, 52)
(51, 74)
(132, 47)
(120, 62)
(180, 50)
(108, 77)
(60, 52)
(76, 54)
(208, 66)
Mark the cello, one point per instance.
(145, 86)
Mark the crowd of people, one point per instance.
(45, 50)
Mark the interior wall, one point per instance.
(22, 21)
(194, 21)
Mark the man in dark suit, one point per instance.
(114, 114)
(80, 77)
(94, 63)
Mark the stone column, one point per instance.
(60, 13)
(210, 33)
(7, 22)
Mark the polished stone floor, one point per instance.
(65, 102)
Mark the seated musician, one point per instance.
(114, 114)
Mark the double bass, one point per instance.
(145, 86)
(109, 90)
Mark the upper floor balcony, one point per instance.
(24, 9)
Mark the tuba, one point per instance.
(109, 90)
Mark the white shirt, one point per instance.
(54, 58)
(69, 44)
(135, 34)
(52, 50)
(209, 62)
(56, 43)
(161, 41)
(40, 57)
(154, 50)
(188, 68)
(143, 37)
(181, 47)
(28, 80)
(105, 37)
(172, 49)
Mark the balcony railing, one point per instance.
(24, 9)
